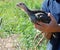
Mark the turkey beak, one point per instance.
(17, 5)
(20, 7)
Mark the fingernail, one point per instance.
(48, 14)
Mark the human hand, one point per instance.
(51, 27)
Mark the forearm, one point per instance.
(58, 28)
(55, 29)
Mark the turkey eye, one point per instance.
(20, 3)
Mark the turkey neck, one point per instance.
(27, 10)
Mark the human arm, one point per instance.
(51, 27)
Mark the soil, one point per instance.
(10, 43)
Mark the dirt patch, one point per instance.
(10, 43)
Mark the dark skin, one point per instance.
(48, 28)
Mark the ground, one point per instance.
(10, 43)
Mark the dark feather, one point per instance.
(35, 15)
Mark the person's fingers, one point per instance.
(39, 27)
(42, 24)
(52, 17)
(53, 20)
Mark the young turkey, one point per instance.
(35, 15)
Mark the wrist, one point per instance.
(58, 28)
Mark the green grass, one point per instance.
(15, 21)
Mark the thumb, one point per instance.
(52, 17)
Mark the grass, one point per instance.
(15, 21)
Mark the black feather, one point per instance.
(35, 15)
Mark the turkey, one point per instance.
(35, 15)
